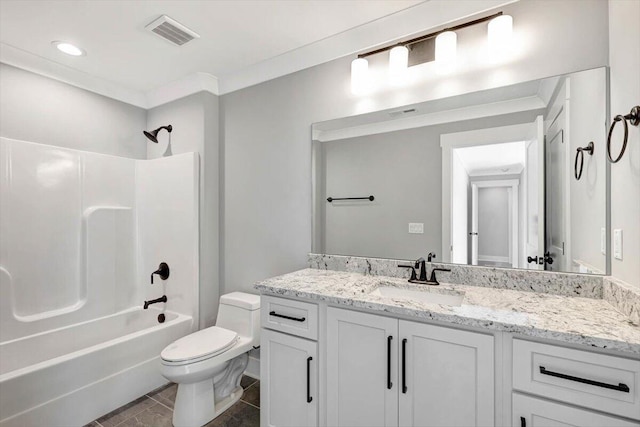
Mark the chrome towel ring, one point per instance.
(634, 118)
(580, 153)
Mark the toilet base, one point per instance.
(200, 402)
(194, 405)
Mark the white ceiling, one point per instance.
(243, 42)
(234, 34)
(493, 159)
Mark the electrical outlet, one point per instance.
(617, 244)
(416, 228)
(603, 241)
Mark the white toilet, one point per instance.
(208, 365)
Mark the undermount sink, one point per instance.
(427, 296)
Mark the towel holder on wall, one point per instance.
(634, 118)
(331, 199)
(580, 153)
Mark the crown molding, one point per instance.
(177, 89)
(402, 24)
(19, 58)
(194, 83)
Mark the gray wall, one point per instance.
(625, 175)
(403, 170)
(266, 131)
(195, 129)
(39, 109)
(587, 122)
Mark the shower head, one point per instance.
(153, 135)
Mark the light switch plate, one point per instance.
(416, 228)
(603, 241)
(617, 243)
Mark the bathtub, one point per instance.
(72, 375)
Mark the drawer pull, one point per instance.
(404, 365)
(620, 387)
(297, 319)
(389, 383)
(309, 398)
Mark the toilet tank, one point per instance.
(240, 312)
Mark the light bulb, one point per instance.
(398, 62)
(359, 76)
(68, 48)
(499, 35)
(446, 48)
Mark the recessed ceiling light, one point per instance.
(69, 48)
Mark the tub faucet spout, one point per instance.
(163, 298)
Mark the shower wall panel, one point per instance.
(67, 236)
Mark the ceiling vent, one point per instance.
(172, 31)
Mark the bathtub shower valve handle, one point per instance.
(163, 298)
(162, 271)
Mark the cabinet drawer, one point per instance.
(293, 317)
(605, 383)
(531, 412)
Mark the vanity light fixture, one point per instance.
(446, 48)
(398, 62)
(360, 76)
(499, 35)
(69, 48)
(421, 49)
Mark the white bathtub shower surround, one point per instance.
(81, 233)
(72, 375)
(49, 200)
(167, 224)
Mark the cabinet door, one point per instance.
(531, 412)
(448, 377)
(288, 387)
(362, 369)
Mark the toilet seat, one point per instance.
(198, 346)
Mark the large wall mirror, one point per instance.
(514, 177)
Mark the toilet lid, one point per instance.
(207, 342)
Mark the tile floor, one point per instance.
(155, 409)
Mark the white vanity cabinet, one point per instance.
(362, 369)
(288, 363)
(532, 412)
(337, 367)
(573, 379)
(449, 378)
(386, 372)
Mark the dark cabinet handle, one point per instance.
(309, 398)
(404, 365)
(297, 319)
(620, 387)
(389, 383)
(523, 422)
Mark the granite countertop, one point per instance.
(578, 320)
